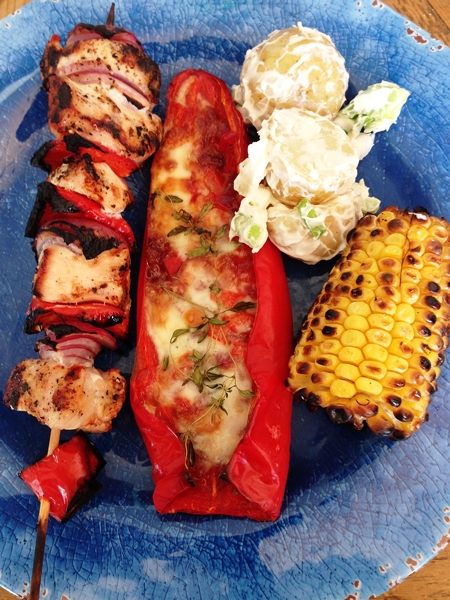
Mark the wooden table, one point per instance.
(432, 582)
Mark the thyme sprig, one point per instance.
(207, 378)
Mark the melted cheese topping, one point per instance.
(201, 344)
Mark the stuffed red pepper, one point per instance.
(214, 323)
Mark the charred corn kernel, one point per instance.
(369, 386)
(390, 264)
(327, 362)
(323, 379)
(309, 352)
(409, 292)
(403, 330)
(379, 336)
(342, 389)
(383, 305)
(396, 363)
(351, 355)
(380, 325)
(356, 322)
(380, 321)
(375, 352)
(363, 294)
(402, 348)
(347, 371)
(353, 338)
(372, 368)
(405, 312)
(367, 281)
(330, 347)
(388, 291)
(385, 278)
(358, 308)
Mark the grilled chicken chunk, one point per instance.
(71, 271)
(62, 397)
(95, 180)
(135, 73)
(102, 114)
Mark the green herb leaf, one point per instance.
(217, 321)
(239, 306)
(177, 230)
(165, 362)
(176, 334)
(172, 199)
(246, 393)
(198, 252)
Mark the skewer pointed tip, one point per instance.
(110, 19)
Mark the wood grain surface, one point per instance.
(431, 582)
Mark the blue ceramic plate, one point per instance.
(360, 513)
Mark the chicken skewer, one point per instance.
(82, 243)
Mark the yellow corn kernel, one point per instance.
(396, 364)
(375, 248)
(431, 272)
(358, 308)
(333, 315)
(369, 266)
(403, 330)
(391, 250)
(339, 302)
(342, 389)
(358, 255)
(440, 232)
(330, 347)
(347, 371)
(327, 362)
(411, 275)
(354, 338)
(409, 292)
(379, 336)
(375, 352)
(405, 312)
(414, 376)
(402, 348)
(356, 322)
(352, 355)
(372, 368)
(398, 239)
(380, 321)
(369, 386)
(417, 233)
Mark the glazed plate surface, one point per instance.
(360, 513)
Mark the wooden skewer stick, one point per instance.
(41, 529)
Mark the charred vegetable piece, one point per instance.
(373, 342)
(66, 478)
(54, 203)
(52, 154)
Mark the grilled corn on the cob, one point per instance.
(373, 342)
